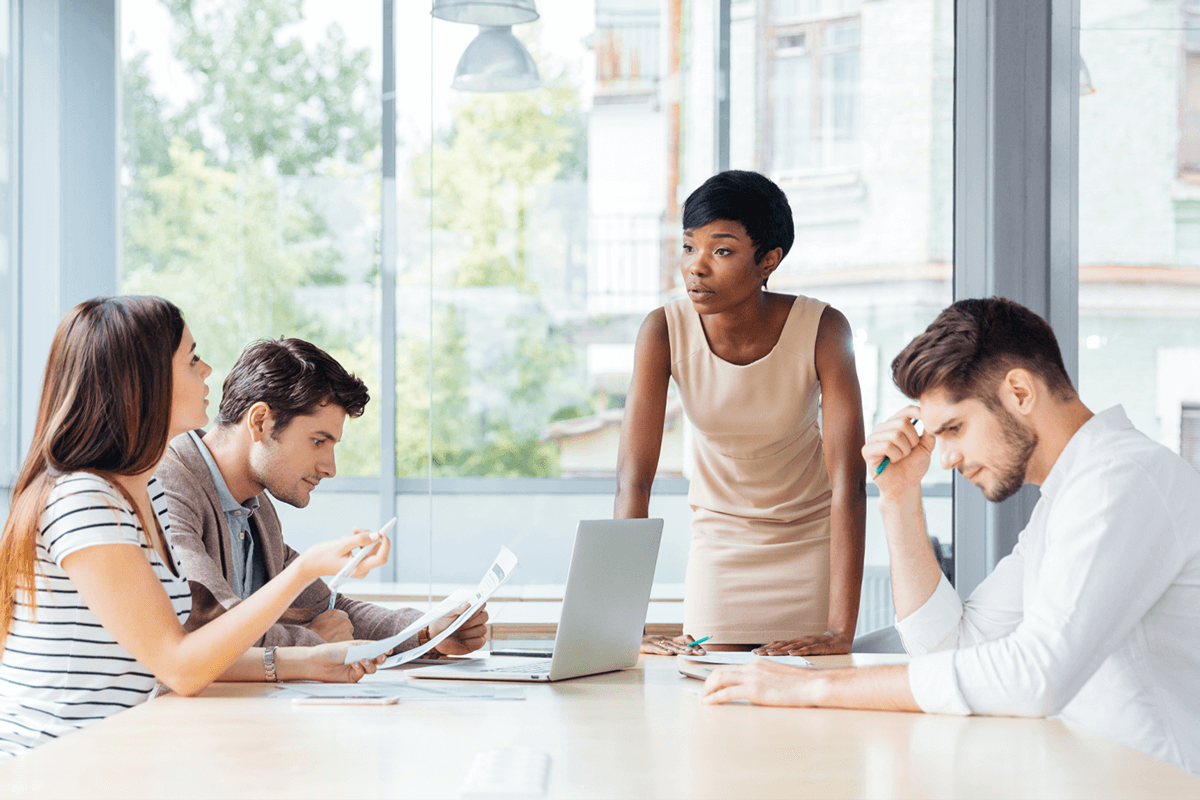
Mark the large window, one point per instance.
(1139, 215)
(532, 231)
(250, 179)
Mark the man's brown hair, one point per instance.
(294, 378)
(973, 344)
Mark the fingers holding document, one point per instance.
(467, 639)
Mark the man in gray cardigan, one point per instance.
(283, 407)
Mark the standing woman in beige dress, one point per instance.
(778, 497)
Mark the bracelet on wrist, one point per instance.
(269, 665)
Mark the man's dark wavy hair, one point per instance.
(294, 378)
(973, 344)
(749, 198)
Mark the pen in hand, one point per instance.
(886, 460)
(353, 563)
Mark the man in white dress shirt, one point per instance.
(1095, 616)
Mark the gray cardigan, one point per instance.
(200, 540)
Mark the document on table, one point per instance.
(407, 691)
(699, 667)
(743, 657)
(492, 580)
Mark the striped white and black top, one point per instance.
(65, 671)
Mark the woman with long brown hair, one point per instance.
(92, 603)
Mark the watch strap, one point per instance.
(269, 665)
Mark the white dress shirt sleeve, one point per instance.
(944, 622)
(1110, 553)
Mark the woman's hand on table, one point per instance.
(671, 646)
(829, 643)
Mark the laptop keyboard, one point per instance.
(528, 668)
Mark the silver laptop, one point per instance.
(603, 610)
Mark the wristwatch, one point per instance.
(423, 638)
(269, 665)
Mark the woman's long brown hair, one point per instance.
(105, 409)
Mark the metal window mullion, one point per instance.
(972, 175)
(724, 32)
(1016, 159)
(1063, 200)
(13, 456)
(387, 283)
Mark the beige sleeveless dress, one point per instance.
(758, 569)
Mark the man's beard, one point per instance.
(1020, 442)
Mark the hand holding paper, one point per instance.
(470, 636)
(492, 580)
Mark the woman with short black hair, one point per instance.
(778, 496)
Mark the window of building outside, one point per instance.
(1139, 215)
(812, 95)
(534, 231)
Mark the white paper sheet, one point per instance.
(492, 580)
(742, 657)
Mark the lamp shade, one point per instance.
(496, 61)
(491, 13)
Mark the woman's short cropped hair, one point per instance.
(973, 344)
(749, 198)
(294, 378)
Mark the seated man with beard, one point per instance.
(1095, 616)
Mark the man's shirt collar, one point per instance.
(228, 503)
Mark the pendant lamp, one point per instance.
(490, 13)
(496, 61)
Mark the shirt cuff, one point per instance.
(931, 626)
(934, 684)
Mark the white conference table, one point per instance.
(638, 733)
